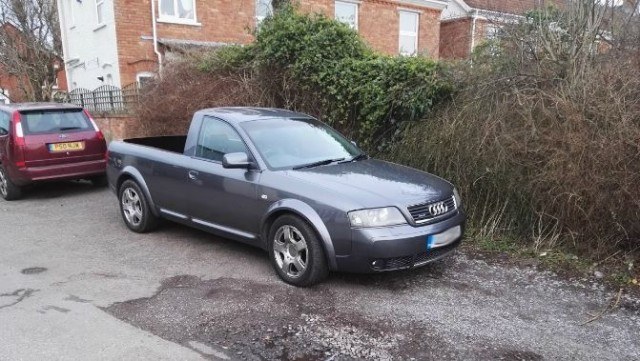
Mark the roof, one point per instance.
(245, 114)
(38, 106)
(510, 7)
(191, 43)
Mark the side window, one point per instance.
(4, 123)
(216, 139)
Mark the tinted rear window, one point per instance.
(45, 122)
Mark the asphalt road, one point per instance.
(75, 284)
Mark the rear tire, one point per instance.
(8, 190)
(296, 252)
(99, 181)
(135, 209)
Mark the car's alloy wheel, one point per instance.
(135, 208)
(290, 251)
(296, 251)
(8, 190)
(132, 207)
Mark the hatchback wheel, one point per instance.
(8, 190)
(135, 209)
(296, 252)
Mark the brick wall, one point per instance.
(455, 39)
(118, 127)
(231, 21)
(221, 21)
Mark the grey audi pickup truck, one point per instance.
(291, 185)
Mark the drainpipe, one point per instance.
(155, 36)
(473, 32)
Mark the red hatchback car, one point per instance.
(44, 142)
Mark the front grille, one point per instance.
(426, 257)
(421, 213)
(396, 263)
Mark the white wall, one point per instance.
(90, 49)
(455, 9)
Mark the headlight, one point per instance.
(380, 217)
(456, 196)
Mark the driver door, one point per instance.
(220, 199)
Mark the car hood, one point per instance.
(375, 183)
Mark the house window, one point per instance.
(178, 10)
(409, 25)
(264, 8)
(347, 12)
(100, 11)
(144, 78)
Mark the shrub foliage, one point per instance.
(312, 64)
(543, 137)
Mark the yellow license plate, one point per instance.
(66, 147)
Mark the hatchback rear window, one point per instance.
(45, 122)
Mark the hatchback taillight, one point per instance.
(95, 126)
(18, 141)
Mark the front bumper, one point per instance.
(399, 247)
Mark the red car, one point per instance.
(43, 142)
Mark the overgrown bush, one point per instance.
(544, 137)
(308, 63)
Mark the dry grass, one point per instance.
(543, 147)
(167, 106)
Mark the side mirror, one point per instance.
(236, 161)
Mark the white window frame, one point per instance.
(100, 3)
(356, 7)
(144, 74)
(259, 18)
(72, 14)
(415, 34)
(174, 19)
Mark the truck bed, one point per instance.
(172, 143)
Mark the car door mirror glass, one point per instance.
(236, 160)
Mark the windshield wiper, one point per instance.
(319, 163)
(69, 128)
(361, 156)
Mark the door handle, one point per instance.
(193, 175)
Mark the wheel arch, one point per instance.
(130, 173)
(308, 214)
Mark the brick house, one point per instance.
(119, 42)
(14, 88)
(467, 23)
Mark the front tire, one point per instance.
(296, 252)
(8, 190)
(135, 208)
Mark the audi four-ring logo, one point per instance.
(437, 209)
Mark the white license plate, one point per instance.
(444, 238)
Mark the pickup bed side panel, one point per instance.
(163, 173)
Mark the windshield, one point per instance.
(293, 143)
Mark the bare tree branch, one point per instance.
(30, 45)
